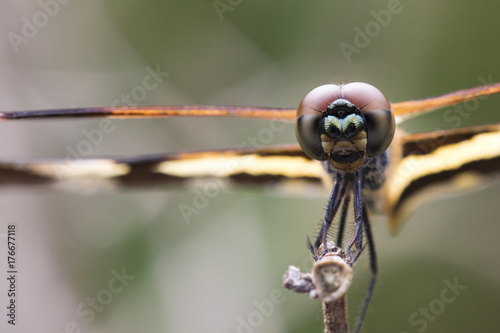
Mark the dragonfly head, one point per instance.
(344, 123)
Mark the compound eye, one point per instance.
(376, 110)
(309, 114)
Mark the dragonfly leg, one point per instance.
(343, 217)
(331, 210)
(357, 240)
(373, 268)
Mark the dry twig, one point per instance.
(329, 280)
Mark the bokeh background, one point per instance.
(209, 274)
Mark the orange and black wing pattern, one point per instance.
(422, 165)
(276, 166)
(426, 165)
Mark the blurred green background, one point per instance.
(208, 275)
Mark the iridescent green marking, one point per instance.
(348, 126)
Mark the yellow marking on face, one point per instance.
(225, 166)
(449, 157)
(356, 143)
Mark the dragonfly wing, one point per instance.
(411, 109)
(428, 164)
(273, 166)
(154, 112)
(401, 110)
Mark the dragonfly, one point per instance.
(349, 140)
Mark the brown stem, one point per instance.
(335, 316)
